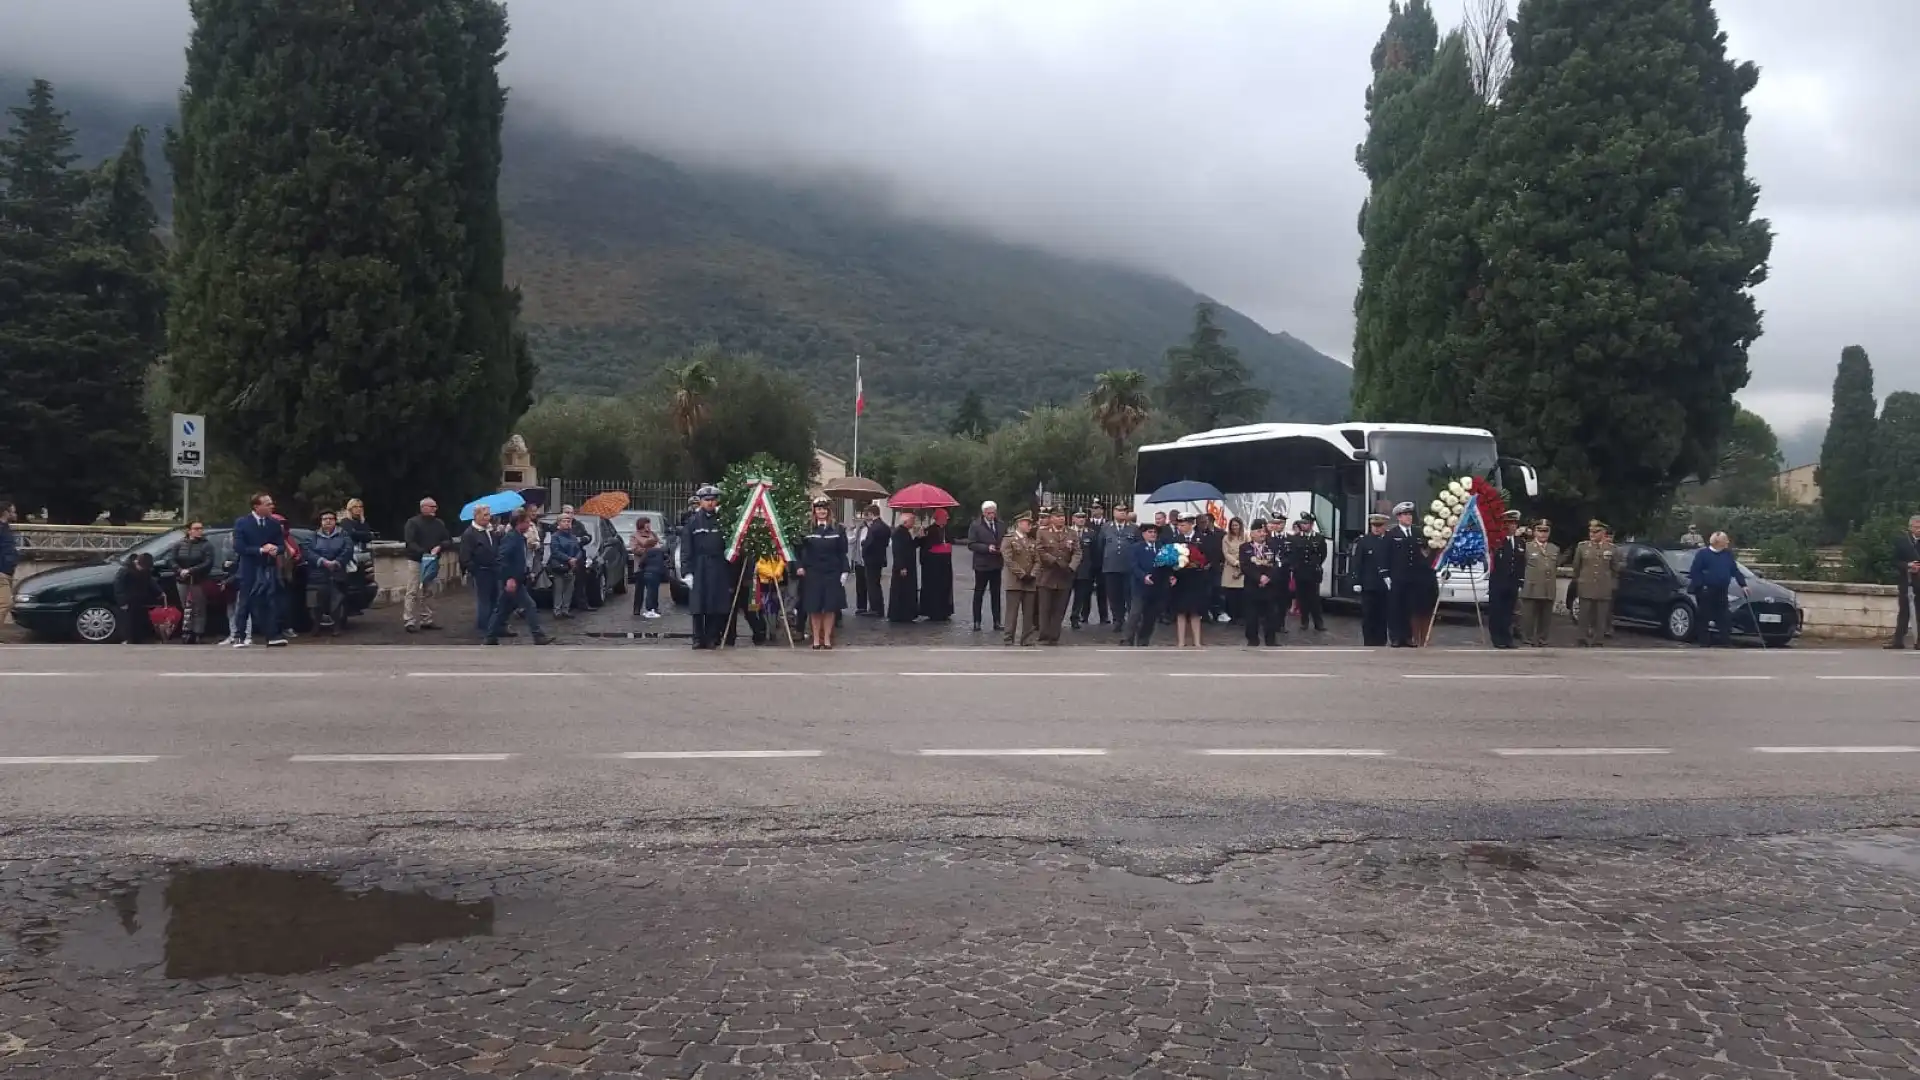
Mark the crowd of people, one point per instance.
(1031, 579)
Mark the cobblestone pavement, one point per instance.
(1766, 958)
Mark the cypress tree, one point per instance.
(1420, 255)
(1621, 247)
(79, 320)
(1395, 131)
(338, 300)
(1846, 467)
(1896, 453)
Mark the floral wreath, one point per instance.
(1465, 520)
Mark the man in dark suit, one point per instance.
(257, 542)
(873, 552)
(516, 582)
(1906, 552)
(1373, 562)
(984, 539)
(1507, 572)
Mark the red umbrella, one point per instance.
(921, 497)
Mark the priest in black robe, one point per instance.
(903, 596)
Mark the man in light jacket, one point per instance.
(984, 539)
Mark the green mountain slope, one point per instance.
(627, 258)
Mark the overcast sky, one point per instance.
(1209, 139)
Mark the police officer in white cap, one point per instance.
(1410, 570)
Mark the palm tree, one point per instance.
(690, 384)
(1121, 403)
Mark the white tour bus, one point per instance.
(1338, 472)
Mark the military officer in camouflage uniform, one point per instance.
(1596, 573)
(1540, 587)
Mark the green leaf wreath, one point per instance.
(789, 498)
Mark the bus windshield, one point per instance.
(1420, 463)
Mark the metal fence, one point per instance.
(100, 538)
(668, 497)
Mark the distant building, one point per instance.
(1797, 487)
(828, 468)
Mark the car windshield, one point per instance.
(156, 546)
(1681, 560)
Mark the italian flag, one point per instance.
(859, 390)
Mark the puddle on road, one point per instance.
(255, 920)
(1894, 851)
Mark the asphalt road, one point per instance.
(1055, 739)
(451, 862)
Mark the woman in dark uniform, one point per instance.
(823, 558)
(936, 571)
(1192, 595)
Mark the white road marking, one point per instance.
(1578, 751)
(478, 674)
(83, 759)
(45, 674)
(359, 759)
(679, 755)
(744, 674)
(1001, 674)
(1297, 751)
(1031, 751)
(1702, 678)
(248, 674)
(1249, 674)
(1455, 675)
(1836, 749)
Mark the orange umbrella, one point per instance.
(606, 504)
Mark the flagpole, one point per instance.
(857, 388)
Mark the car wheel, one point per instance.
(597, 590)
(1782, 642)
(621, 589)
(1679, 622)
(96, 624)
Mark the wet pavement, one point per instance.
(615, 621)
(1781, 958)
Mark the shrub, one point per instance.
(1869, 550)
(1749, 526)
(1796, 560)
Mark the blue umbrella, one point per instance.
(500, 502)
(1181, 491)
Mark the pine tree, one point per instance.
(1896, 452)
(79, 319)
(1616, 309)
(1207, 383)
(1846, 467)
(338, 301)
(970, 420)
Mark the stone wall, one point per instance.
(1841, 612)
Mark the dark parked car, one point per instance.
(1653, 593)
(77, 601)
(606, 571)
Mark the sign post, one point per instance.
(188, 453)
